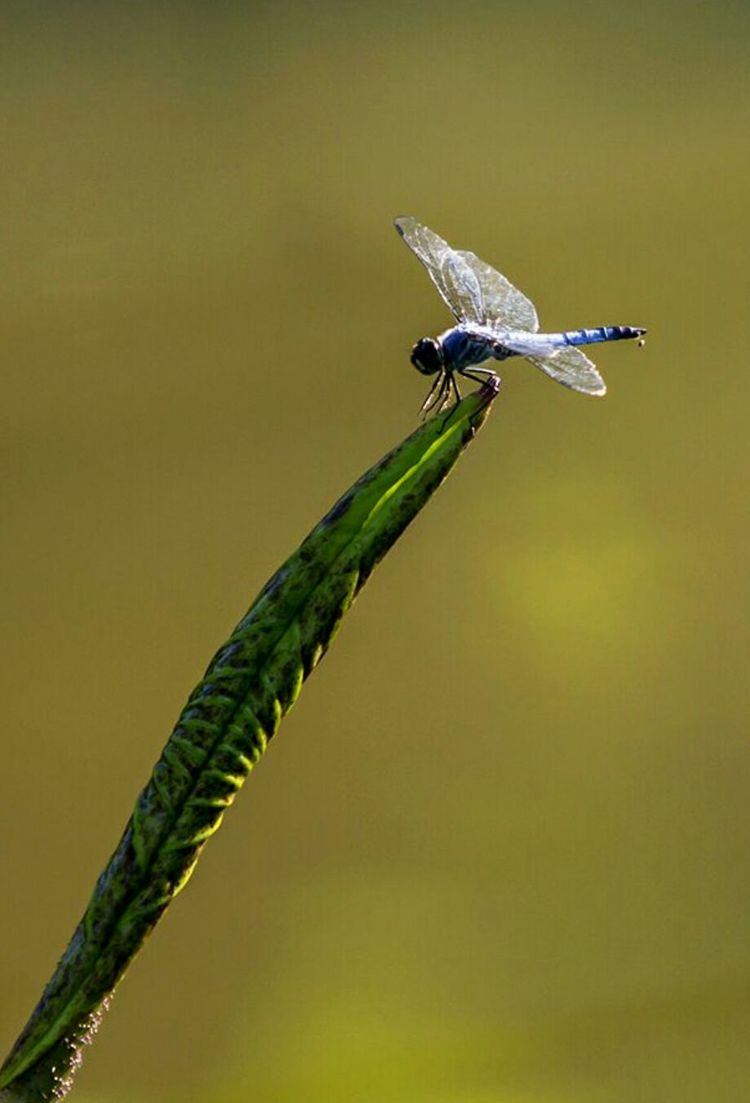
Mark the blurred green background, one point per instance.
(498, 853)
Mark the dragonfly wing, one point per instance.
(571, 368)
(505, 306)
(456, 281)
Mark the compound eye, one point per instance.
(426, 357)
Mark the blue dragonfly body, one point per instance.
(495, 321)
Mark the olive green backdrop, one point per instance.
(498, 853)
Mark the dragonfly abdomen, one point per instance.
(601, 333)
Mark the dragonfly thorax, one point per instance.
(427, 356)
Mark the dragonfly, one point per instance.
(495, 321)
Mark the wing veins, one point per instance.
(455, 280)
(570, 367)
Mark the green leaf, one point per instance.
(225, 727)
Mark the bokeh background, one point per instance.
(499, 851)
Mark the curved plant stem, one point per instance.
(230, 716)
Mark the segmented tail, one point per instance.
(601, 333)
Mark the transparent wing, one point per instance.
(505, 306)
(571, 368)
(455, 279)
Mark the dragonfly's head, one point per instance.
(427, 356)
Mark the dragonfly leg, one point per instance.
(444, 395)
(477, 373)
(451, 387)
(432, 398)
(429, 400)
